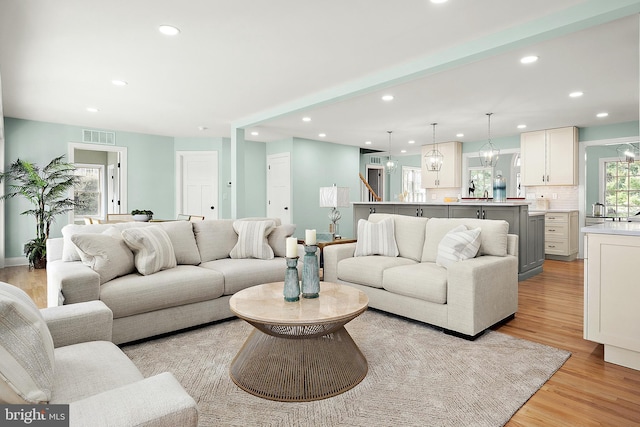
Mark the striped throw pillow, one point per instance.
(376, 238)
(457, 245)
(151, 247)
(252, 239)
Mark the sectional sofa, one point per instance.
(427, 277)
(163, 277)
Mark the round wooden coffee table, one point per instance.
(299, 351)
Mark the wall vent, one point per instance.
(375, 160)
(98, 137)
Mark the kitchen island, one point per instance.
(529, 227)
(612, 290)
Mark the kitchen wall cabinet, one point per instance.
(450, 174)
(549, 157)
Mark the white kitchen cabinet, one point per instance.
(450, 174)
(611, 314)
(549, 157)
(561, 235)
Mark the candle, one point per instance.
(292, 247)
(310, 237)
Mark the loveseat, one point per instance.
(428, 278)
(64, 355)
(162, 281)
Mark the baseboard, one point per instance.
(16, 261)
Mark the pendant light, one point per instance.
(488, 152)
(629, 152)
(434, 158)
(391, 165)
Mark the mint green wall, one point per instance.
(255, 191)
(592, 167)
(316, 164)
(618, 130)
(150, 177)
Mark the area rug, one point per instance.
(418, 376)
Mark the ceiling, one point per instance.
(263, 66)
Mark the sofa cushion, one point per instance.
(493, 235)
(252, 239)
(425, 281)
(215, 238)
(278, 238)
(457, 245)
(69, 249)
(89, 368)
(26, 350)
(152, 249)
(376, 238)
(184, 284)
(183, 241)
(409, 232)
(368, 270)
(243, 273)
(106, 253)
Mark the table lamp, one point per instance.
(334, 197)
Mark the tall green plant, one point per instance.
(47, 189)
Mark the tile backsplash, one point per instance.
(566, 197)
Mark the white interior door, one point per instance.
(197, 173)
(279, 187)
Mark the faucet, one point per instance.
(486, 195)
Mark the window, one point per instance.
(412, 190)
(622, 188)
(89, 191)
(480, 179)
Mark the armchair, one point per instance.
(64, 355)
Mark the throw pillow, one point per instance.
(151, 247)
(457, 245)
(252, 239)
(106, 253)
(376, 238)
(278, 239)
(26, 350)
(183, 241)
(69, 250)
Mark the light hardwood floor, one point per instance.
(585, 391)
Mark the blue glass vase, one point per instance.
(310, 273)
(291, 281)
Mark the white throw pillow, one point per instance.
(106, 253)
(457, 245)
(252, 239)
(26, 350)
(151, 247)
(376, 238)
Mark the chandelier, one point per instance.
(434, 158)
(391, 165)
(488, 152)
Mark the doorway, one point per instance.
(279, 187)
(197, 183)
(375, 178)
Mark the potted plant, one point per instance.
(47, 189)
(141, 215)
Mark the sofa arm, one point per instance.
(76, 323)
(481, 292)
(332, 255)
(156, 401)
(76, 281)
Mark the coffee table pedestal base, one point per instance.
(298, 369)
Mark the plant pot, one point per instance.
(141, 218)
(40, 263)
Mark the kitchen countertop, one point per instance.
(611, 227)
(460, 203)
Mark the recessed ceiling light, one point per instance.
(438, 1)
(168, 30)
(387, 97)
(92, 109)
(306, 119)
(254, 133)
(459, 135)
(602, 114)
(367, 143)
(529, 59)
(522, 126)
(403, 151)
(576, 94)
(202, 128)
(412, 142)
(322, 135)
(119, 82)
